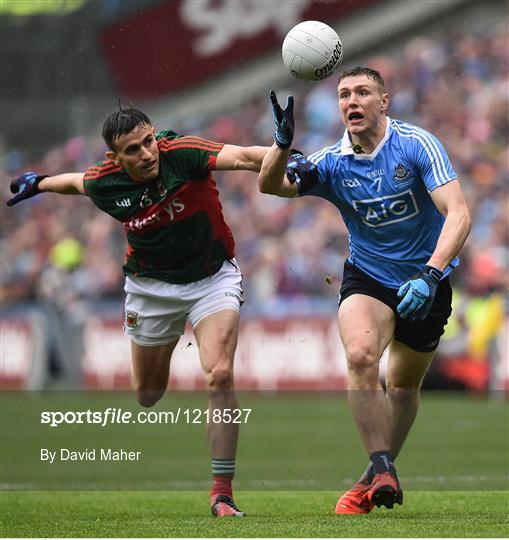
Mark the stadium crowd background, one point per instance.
(64, 251)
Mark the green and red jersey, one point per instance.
(174, 224)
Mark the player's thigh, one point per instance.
(215, 317)
(150, 365)
(406, 367)
(217, 336)
(366, 325)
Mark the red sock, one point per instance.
(222, 486)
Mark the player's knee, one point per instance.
(221, 379)
(361, 358)
(402, 392)
(148, 397)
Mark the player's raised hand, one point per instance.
(418, 293)
(25, 186)
(283, 121)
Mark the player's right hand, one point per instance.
(283, 121)
(25, 186)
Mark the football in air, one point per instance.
(312, 51)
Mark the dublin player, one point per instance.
(407, 220)
(180, 260)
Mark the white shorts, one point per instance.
(155, 312)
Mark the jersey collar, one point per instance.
(346, 144)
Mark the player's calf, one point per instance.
(148, 398)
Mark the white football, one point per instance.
(312, 51)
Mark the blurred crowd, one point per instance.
(292, 251)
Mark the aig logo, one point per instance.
(387, 210)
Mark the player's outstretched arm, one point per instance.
(272, 178)
(240, 158)
(30, 184)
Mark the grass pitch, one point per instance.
(271, 514)
(297, 454)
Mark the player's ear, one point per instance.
(113, 157)
(385, 102)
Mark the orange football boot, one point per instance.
(224, 506)
(385, 490)
(355, 500)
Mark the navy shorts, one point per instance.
(422, 336)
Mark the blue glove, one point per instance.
(418, 294)
(283, 120)
(26, 186)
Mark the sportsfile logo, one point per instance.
(388, 209)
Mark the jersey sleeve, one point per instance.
(97, 171)
(105, 184)
(191, 158)
(95, 178)
(431, 160)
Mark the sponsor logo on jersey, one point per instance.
(386, 210)
(124, 203)
(375, 173)
(131, 319)
(350, 182)
(161, 215)
(401, 173)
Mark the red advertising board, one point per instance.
(184, 42)
(16, 353)
(287, 354)
(290, 354)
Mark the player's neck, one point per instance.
(366, 142)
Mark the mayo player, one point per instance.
(407, 220)
(179, 264)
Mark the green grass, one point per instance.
(297, 453)
(271, 514)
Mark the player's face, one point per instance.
(362, 103)
(137, 152)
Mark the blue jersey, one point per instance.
(384, 198)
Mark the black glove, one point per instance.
(25, 186)
(283, 120)
(418, 293)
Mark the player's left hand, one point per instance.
(418, 293)
(283, 120)
(25, 186)
(300, 168)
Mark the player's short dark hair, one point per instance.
(121, 122)
(372, 74)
